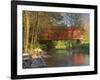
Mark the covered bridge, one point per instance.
(61, 33)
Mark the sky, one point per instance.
(84, 17)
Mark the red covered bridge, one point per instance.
(61, 33)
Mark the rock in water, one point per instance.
(38, 62)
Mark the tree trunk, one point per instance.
(26, 31)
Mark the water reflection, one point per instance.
(59, 58)
(65, 57)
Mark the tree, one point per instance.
(72, 20)
(26, 26)
(33, 23)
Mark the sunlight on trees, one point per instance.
(35, 22)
